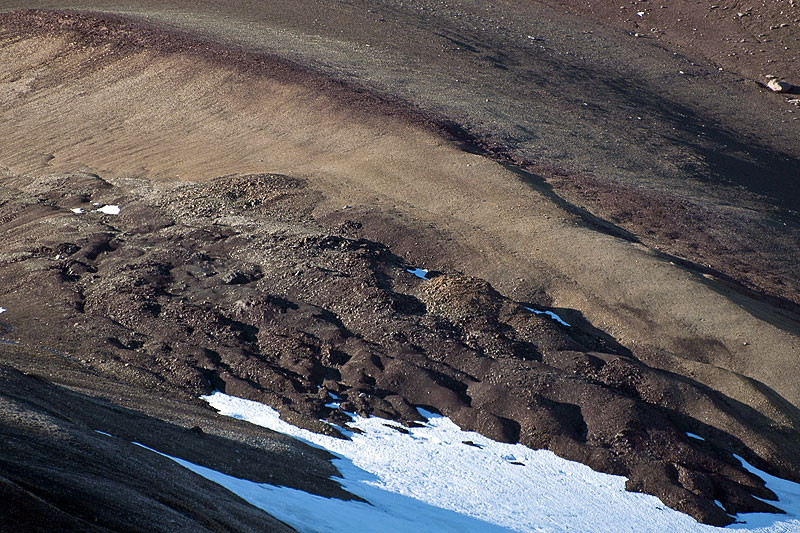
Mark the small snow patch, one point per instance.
(335, 403)
(103, 433)
(694, 436)
(108, 210)
(549, 314)
(77, 210)
(419, 272)
(3, 309)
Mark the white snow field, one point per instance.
(440, 478)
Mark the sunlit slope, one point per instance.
(180, 110)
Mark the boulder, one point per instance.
(779, 86)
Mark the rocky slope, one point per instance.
(646, 133)
(267, 220)
(232, 286)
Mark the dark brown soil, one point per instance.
(752, 38)
(60, 474)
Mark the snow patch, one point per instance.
(550, 314)
(393, 513)
(103, 433)
(77, 210)
(108, 210)
(335, 403)
(694, 436)
(440, 478)
(3, 310)
(788, 493)
(419, 272)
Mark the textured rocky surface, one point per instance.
(231, 285)
(232, 265)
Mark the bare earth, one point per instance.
(269, 207)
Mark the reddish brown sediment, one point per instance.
(754, 39)
(232, 285)
(126, 35)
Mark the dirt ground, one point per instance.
(616, 124)
(755, 39)
(532, 157)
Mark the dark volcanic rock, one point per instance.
(60, 473)
(232, 285)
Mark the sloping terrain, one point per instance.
(267, 219)
(698, 162)
(754, 39)
(62, 472)
(232, 286)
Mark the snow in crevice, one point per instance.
(694, 436)
(419, 272)
(3, 310)
(440, 478)
(549, 314)
(334, 404)
(788, 493)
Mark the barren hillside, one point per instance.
(274, 190)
